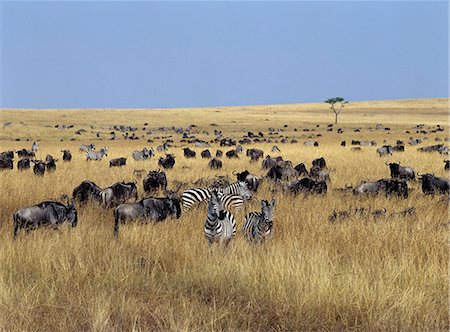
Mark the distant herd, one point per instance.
(221, 198)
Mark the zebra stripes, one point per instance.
(96, 155)
(258, 225)
(233, 196)
(220, 225)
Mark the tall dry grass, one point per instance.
(356, 274)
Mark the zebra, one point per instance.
(234, 195)
(220, 225)
(144, 154)
(94, 155)
(258, 225)
(86, 148)
(35, 146)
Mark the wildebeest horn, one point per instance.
(398, 162)
(234, 172)
(385, 210)
(386, 163)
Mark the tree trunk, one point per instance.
(335, 118)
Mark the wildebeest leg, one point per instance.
(16, 229)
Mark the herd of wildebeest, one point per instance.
(221, 196)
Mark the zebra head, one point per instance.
(242, 190)
(215, 205)
(104, 151)
(267, 210)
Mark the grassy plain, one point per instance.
(360, 273)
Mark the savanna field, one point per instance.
(360, 273)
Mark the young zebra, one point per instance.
(258, 225)
(220, 225)
(94, 155)
(234, 195)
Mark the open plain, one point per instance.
(385, 273)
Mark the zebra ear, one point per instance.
(272, 202)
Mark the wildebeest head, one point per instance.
(395, 169)
(39, 167)
(242, 176)
(167, 162)
(173, 205)
(67, 156)
(71, 214)
(320, 162)
(447, 165)
(215, 163)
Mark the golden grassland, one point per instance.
(355, 274)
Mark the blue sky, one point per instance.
(188, 54)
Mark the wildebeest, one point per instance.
(39, 167)
(278, 173)
(118, 162)
(254, 154)
(396, 188)
(384, 150)
(50, 163)
(67, 156)
(388, 186)
(319, 170)
(25, 153)
(251, 180)
(215, 163)
(6, 163)
(119, 193)
(168, 162)
(311, 143)
(320, 162)
(23, 164)
(301, 169)
(87, 191)
(219, 153)
(232, 154)
(269, 162)
(144, 154)
(401, 173)
(47, 213)
(307, 186)
(434, 185)
(188, 153)
(154, 181)
(205, 154)
(7, 154)
(446, 165)
(150, 209)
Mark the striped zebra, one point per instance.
(220, 225)
(96, 155)
(258, 225)
(233, 196)
(86, 148)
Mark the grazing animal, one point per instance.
(144, 154)
(308, 186)
(215, 163)
(254, 154)
(232, 154)
(258, 225)
(446, 165)
(401, 173)
(39, 167)
(154, 181)
(168, 162)
(150, 209)
(87, 191)
(432, 185)
(275, 149)
(35, 146)
(23, 164)
(188, 153)
(25, 153)
(384, 150)
(220, 225)
(46, 213)
(7, 154)
(205, 154)
(278, 173)
(234, 195)
(6, 163)
(219, 153)
(67, 156)
(86, 148)
(388, 186)
(251, 180)
(301, 169)
(119, 193)
(117, 162)
(269, 162)
(96, 155)
(50, 163)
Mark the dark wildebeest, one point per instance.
(215, 163)
(188, 153)
(320, 162)
(396, 188)
(25, 153)
(6, 163)
(301, 169)
(167, 162)
(150, 209)
(431, 148)
(154, 181)
(119, 193)
(401, 173)
(307, 186)
(7, 155)
(388, 186)
(219, 153)
(446, 165)
(319, 170)
(434, 185)
(232, 154)
(384, 150)
(278, 173)
(255, 154)
(118, 162)
(23, 164)
(251, 180)
(39, 167)
(87, 191)
(67, 156)
(398, 148)
(50, 163)
(343, 143)
(269, 162)
(44, 214)
(205, 154)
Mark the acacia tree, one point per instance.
(336, 106)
